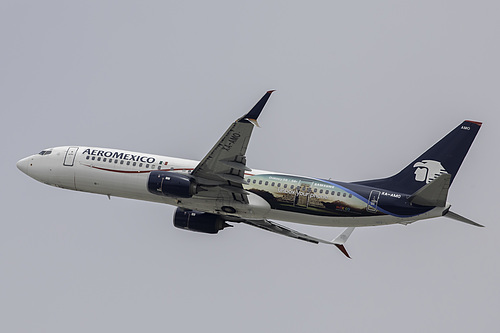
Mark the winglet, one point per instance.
(254, 113)
(343, 250)
(341, 239)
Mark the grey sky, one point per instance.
(363, 87)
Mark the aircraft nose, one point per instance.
(23, 165)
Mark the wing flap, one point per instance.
(231, 177)
(236, 165)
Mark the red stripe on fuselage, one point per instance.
(136, 171)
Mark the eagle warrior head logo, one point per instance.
(428, 170)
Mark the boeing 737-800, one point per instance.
(221, 188)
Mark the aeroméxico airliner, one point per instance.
(221, 188)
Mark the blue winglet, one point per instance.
(254, 113)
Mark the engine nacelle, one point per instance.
(198, 221)
(171, 184)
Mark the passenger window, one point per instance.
(147, 166)
(121, 162)
(326, 192)
(266, 183)
(272, 184)
(285, 186)
(152, 166)
(93, 158)
(159, 167)
(134, 164)
(279, 184)
(116, 161)
(140, 165)
(315, 190)
(320, 191)
(254, 181)
(350, 195)
(338, 193)
(104, 159)
(128, 162)
(88, 157)
(260, 182)
(344, 195)
(98, 158)
(292, 187)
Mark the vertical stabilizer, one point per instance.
(445, 157)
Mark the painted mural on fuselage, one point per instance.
(307, 195)
(327, 198)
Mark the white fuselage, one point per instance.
(125, 174)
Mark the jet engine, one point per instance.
(171, 184)
(199, 221)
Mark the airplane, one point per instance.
(221, 189)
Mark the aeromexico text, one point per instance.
(119, 155)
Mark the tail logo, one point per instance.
(428, 170)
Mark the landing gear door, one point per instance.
(373, 201)
(69, 159)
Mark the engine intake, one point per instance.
(171, 184)
(199, 221)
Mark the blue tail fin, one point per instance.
(446, 156)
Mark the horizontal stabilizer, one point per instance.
(433, 194)
(460, 218)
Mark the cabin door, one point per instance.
(373, 201)
(69, 159)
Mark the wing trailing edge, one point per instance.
(285, 231)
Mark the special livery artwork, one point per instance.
(312, 196)
(220, 188)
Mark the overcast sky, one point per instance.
(363, 87)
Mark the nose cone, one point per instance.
(23, 165)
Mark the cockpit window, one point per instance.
(45, 152)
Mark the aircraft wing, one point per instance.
(282, 230)
(221, 172)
